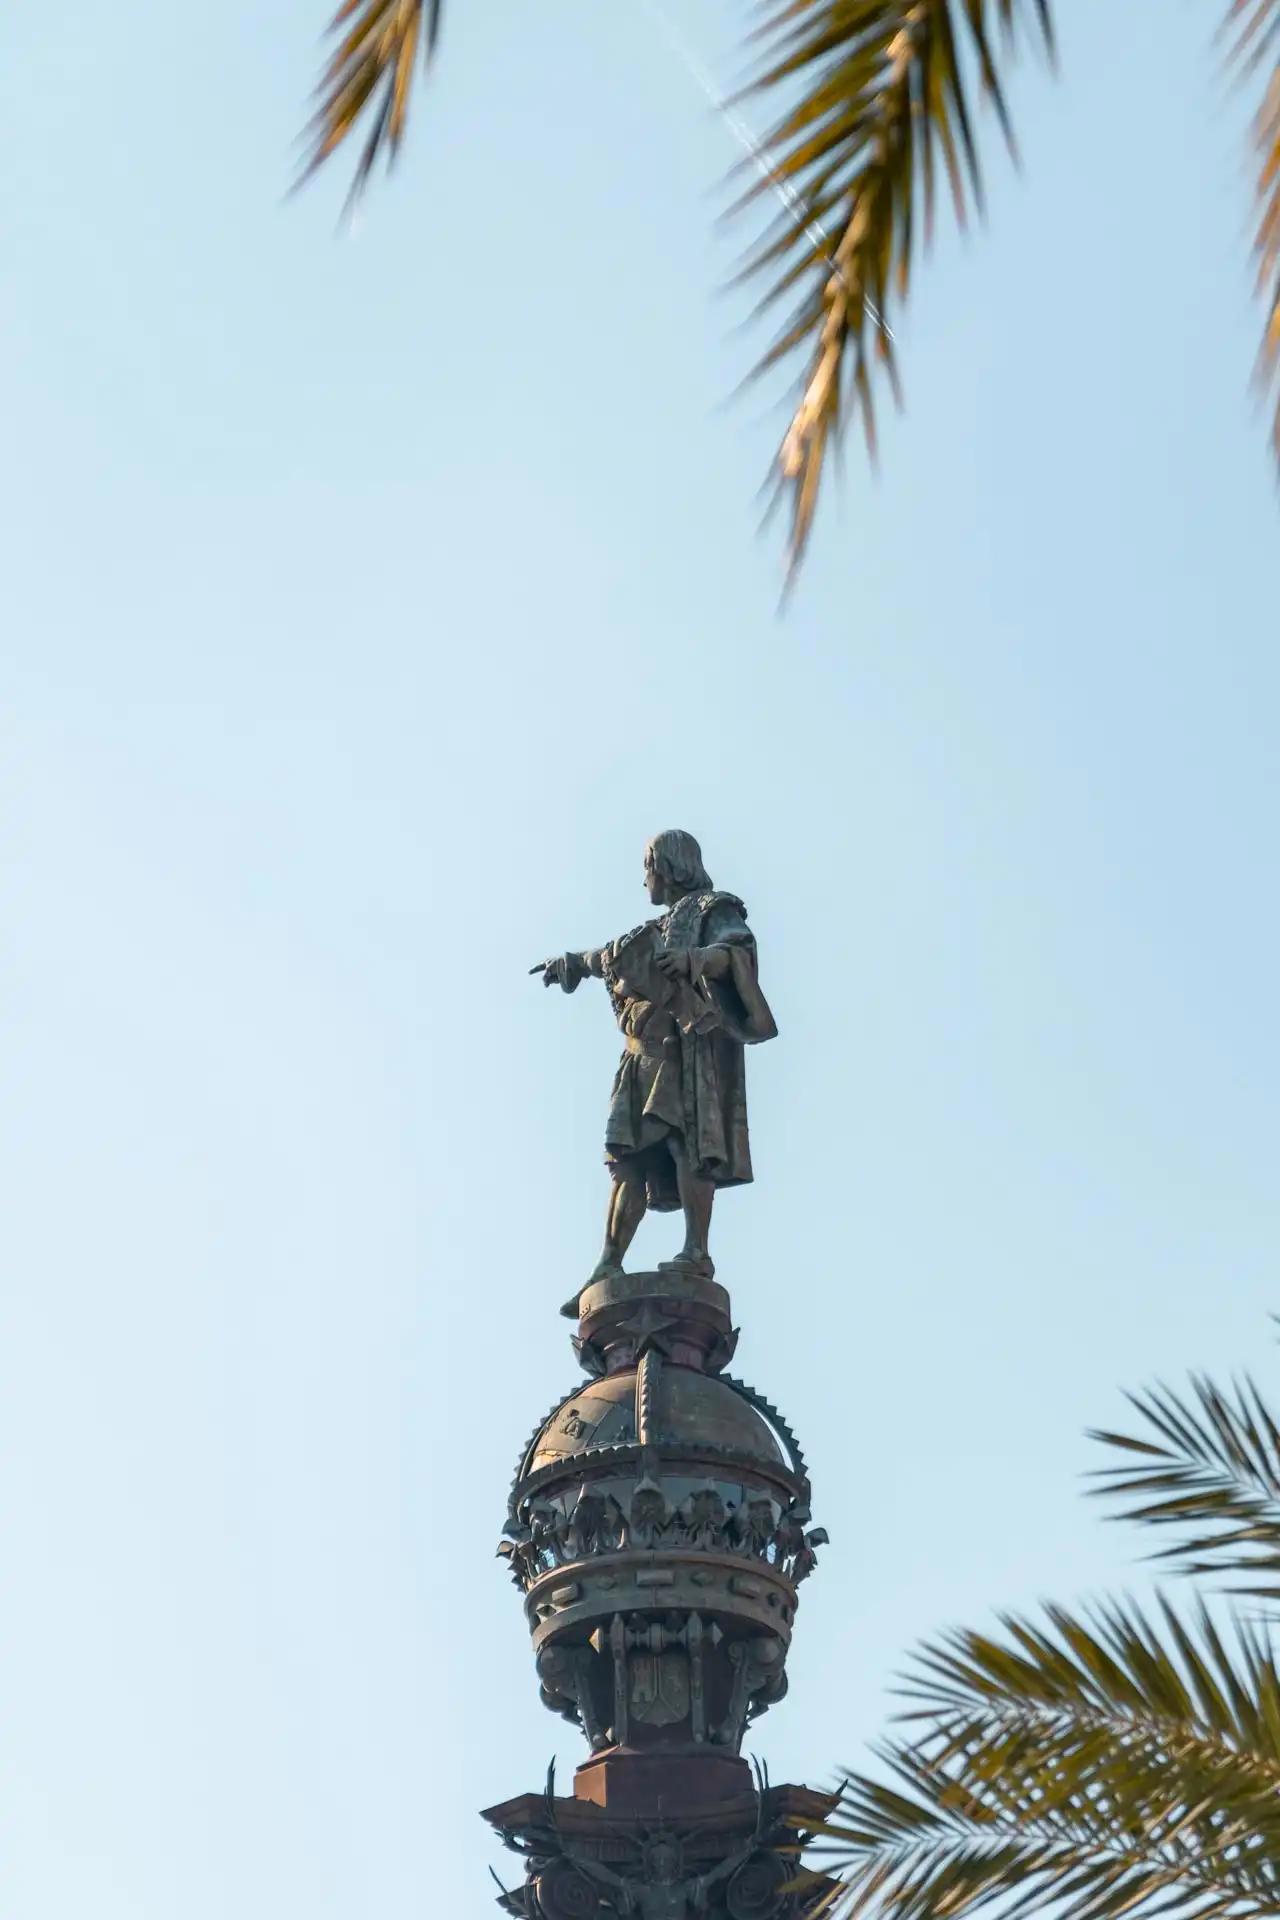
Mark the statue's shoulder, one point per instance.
(613, 956)
(647, 929)
(724, 905)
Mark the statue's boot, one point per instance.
(606, 1268)
(690, 1260)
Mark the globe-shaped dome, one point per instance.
(684, 1409)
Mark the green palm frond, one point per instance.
(369, 78)
(884, 104)
(1209, 1466)
(1254, 26)
(1084, 1766)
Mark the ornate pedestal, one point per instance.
(659, 1531)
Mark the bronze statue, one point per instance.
(686, 997)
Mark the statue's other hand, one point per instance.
(674, 965)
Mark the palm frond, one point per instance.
(1257, 42)
(1209, 1466)
(369, 78)
(1087, 1765)
(886, 94)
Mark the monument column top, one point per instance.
(659, 1525)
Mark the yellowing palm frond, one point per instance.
(880, 100)
(369, 78)
(1210, 1467)
(1254, 26)
(884, 105)
(1084, 1766)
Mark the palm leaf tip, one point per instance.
(1208, 1466)
(1251, 31)
(884, 105)
(1267, 240)
(368, 81)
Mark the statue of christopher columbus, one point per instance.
(686, 996)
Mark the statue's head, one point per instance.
(673, 867)
(663, 1862)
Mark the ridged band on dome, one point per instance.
(648, 1378)
(775, 1419)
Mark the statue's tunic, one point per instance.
(683, 1072)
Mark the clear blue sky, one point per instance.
(368, 602)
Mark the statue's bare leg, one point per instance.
(696, 1197)
(628, 1202)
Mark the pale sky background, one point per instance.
(369, 600)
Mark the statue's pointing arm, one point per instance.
(568, 970)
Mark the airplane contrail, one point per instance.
(766, 163)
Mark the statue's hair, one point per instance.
(677, 856)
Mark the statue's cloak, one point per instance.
(684, 1070)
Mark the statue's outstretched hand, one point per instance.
(564, 972)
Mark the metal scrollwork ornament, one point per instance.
(757, 1890)
(561, 1893)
